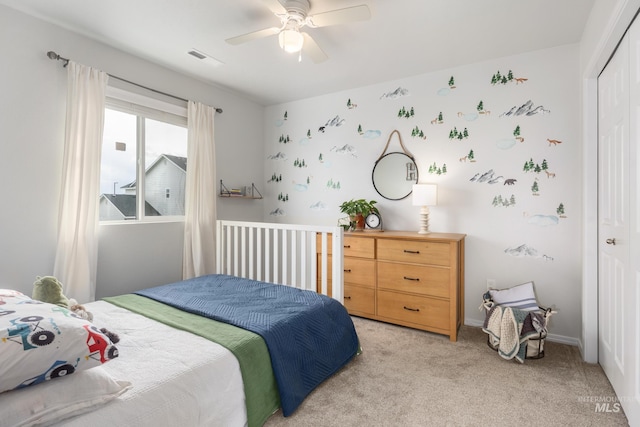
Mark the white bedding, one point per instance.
(179, 379)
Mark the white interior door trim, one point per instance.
(621, 18)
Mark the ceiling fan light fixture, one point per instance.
(290, 40)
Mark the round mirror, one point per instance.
(394, 175)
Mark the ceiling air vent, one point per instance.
(203, 56)
(197, 54)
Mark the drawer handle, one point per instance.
(347, 297)
(347, 246)
(407, 251)
(410, 309)
(415, 279)
(347, 270)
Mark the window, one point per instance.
(137, 134)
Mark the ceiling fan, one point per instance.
(294, 15)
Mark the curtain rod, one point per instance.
(52, 55)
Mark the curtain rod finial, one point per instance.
(52, 55)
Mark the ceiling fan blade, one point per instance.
(253, 36)
(340, 16)
(311, 48)
(275, 6)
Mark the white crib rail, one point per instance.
(282, 253)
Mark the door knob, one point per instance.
(611, 241)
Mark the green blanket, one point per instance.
(260, 388)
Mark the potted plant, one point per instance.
(358, 209)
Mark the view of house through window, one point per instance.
(129, 193)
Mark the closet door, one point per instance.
(619, 277)
(632, 333)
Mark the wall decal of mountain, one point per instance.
(525, 250)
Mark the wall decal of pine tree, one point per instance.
(452, 83)
(438, 170)
(299, 163)
(560, 210)
(334, 185)
(499, 78)
(535, 188)
(455, 134)
(516, 134)
(403, 112)
(284, 139)
(416, 132)
(503, 201)
(438, 120)
(469, 156)
(275, 177)
(530, 166)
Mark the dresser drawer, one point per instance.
(359, 247)
(356, 270)
(434, 253)
(360, 271)
(359, 300)
(419, 279)
(424, 311)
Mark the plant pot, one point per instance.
(358, 220)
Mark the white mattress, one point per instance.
(179, 379)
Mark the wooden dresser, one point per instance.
(406, 278)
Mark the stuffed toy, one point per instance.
(49, 289)
(79, 310)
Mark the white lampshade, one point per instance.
(425, 195)
(290, 40)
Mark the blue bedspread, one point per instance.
(309, 336)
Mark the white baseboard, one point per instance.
(562, 339)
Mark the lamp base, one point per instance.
(424, 220)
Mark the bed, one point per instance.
(198, 352)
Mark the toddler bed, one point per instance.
(185, 357)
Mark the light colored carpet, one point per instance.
(406, 377)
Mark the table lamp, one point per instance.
(425, 195)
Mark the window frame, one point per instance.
(144, 107)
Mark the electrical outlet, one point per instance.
(491, 284)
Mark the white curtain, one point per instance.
(200, 200)
(77, 249)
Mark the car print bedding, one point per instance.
(163, 376)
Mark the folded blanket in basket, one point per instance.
(509, 328)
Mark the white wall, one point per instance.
(32, 114)
(464, 206)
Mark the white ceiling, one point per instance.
(403, 38)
